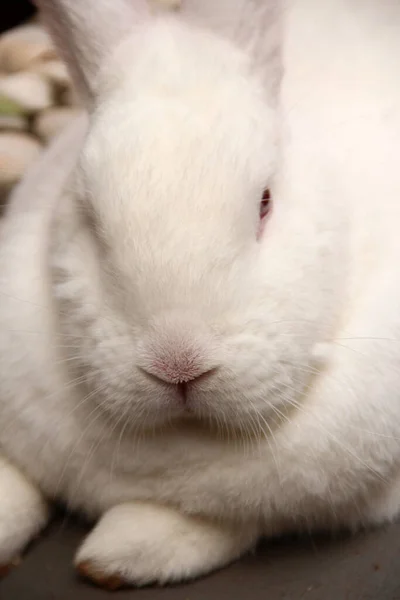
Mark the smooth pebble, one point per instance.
(52, 121)
(54, 71)
(17, 153)
(23, 46)
(14, 122)
(29, 91)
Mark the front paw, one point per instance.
(138, 544)
(23, 512)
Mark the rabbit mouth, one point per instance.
(183, 400)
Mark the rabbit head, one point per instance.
(193, 269)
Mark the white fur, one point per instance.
(160, 545)
(137, 262)
(23, 512)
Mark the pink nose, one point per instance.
(178, 349)
(178, 367)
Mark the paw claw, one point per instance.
(111, 582)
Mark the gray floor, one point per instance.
(366, 567)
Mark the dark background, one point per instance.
(14, 12)
(362, 567)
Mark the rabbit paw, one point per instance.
(23, 512)
(138, 544)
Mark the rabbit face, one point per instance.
(184, 297)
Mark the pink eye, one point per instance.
(265, 204)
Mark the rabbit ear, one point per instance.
(254, 25)
(85, 32)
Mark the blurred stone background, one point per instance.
(36, 96)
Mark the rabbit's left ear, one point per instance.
(254, 25)
(86, 31)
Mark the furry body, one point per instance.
(321, 452)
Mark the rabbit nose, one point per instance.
(178, 349)
(178, 368)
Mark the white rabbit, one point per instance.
(178, 362)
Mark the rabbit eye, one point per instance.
(265, 203)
